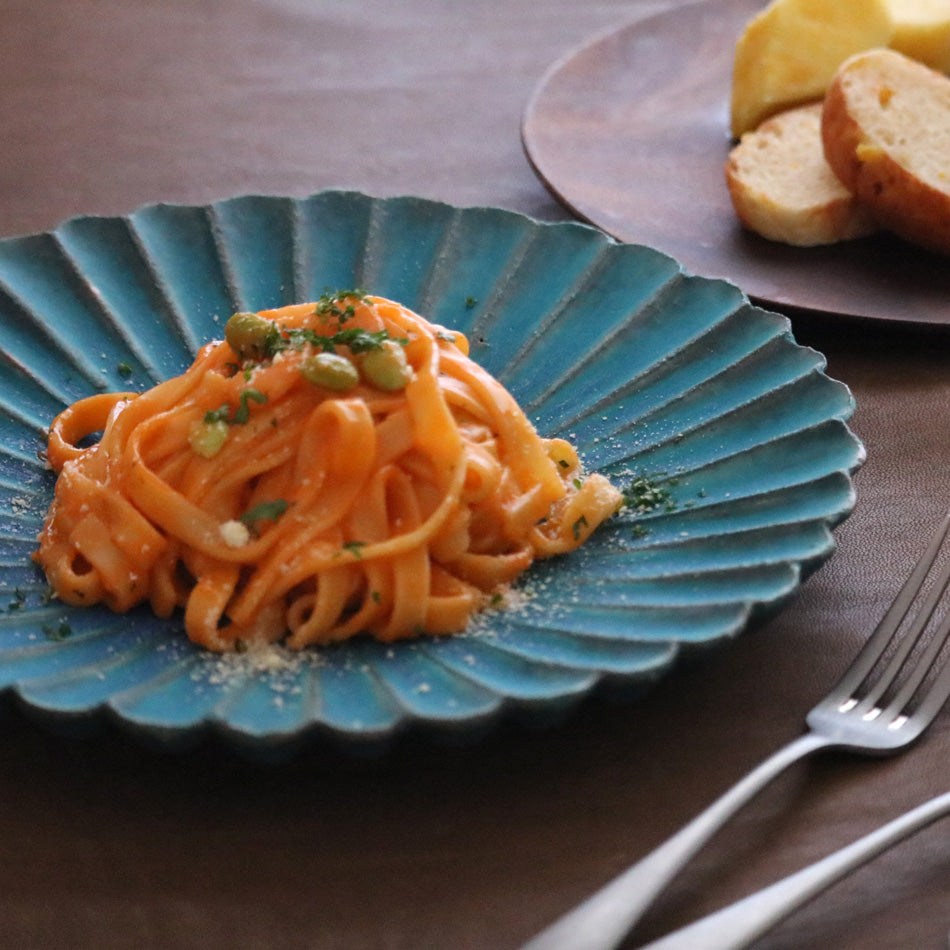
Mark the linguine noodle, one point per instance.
(328, 469)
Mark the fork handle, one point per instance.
(739, 924)
(603, 920)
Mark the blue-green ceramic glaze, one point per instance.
(650, 371)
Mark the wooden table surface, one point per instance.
(106, 105)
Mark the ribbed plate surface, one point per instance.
(651, 372)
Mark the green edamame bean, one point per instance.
(247, 333)
(330, 370)
(207, 438)
(387, 367)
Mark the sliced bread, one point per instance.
(783, 189)
(886, 134)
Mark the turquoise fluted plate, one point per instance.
(654, 374)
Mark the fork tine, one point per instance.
(897, 612)
(924, 665)
(924, 662)
(934, 701)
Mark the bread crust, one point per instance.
(782, 188)
(882, 174)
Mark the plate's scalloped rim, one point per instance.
(398, 711)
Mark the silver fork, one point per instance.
(884, 701)
(736, 926)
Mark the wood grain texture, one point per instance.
(111, 104)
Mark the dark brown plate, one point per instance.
(630, 132)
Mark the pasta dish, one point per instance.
(328, 469)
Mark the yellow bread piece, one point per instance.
(922, 31)
(788, 53)
(783, 189)
(886, 134)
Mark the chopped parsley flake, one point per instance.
(265, 511)
(240, 415)
(57, 631)
(645, 493)
(218, 415)
(357, 339)
(243, 411)
(328, 304)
